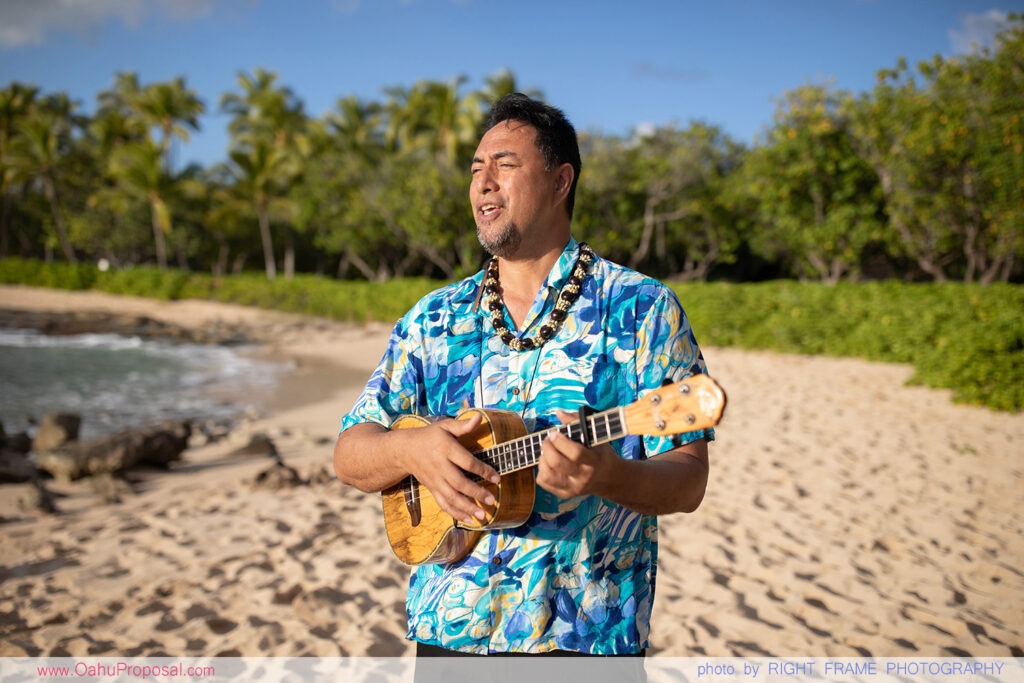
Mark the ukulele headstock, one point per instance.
(696, 402)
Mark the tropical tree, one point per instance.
(39, 152)
(819, 204)
(135, 127)
(268, 147)
(949, 152)
(609, 197)
(139, 174)
(499, 84)
(16, 103)
(655, 201)
(255, 191)
(348, 147)
(172, 109)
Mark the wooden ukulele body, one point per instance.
(420, 532)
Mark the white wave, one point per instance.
(35, 339)
(115, 382)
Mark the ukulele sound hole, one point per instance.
(412, 501)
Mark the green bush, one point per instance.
(144, 281)
(966, 338)
(16, 271)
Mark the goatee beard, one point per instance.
(503, 244)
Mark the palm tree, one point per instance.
(498, 85)
(432, 116)
(267, 148)
(172, 109)
(263, 109)
(356, 125)
(138, 171)
(38, 152)
(140, 163)
(256, 172)
(16, 101)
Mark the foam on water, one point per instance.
(118, 382)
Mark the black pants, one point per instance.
(436, 665)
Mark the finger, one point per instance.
(463, 458)
(460, 507)
(563, 446)
(462, 427)
(552, 480)
(462, 484)
(566, 417)
(553, 468)
(446, 483)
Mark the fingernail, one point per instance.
(489, 500)
(479, 514)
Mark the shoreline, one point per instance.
(847, 515)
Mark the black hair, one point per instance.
(556, 137)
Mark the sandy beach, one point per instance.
(847, 515)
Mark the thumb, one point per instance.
(462, 427)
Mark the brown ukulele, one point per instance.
(420, 532)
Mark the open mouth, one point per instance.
(488, 210)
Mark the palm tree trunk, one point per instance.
(158, 239)
(5, 221)
(58, 221)
(289, 253)
(268, 243)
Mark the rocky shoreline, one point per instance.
(66, 323)
(53, 452)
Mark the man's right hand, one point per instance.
(438, 461)
(372, 458)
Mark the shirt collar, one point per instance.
(560, 272)
(563, 267)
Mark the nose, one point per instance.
(484, 181)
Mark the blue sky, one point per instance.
(612, 66)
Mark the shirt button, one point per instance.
(496, 561)
(515, 391)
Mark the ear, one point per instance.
(563, 181)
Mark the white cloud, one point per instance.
(977, 31)
(30, 22)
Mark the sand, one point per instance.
(847, 515)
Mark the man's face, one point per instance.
(512, 193)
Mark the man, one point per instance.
(547, 327)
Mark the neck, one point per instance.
(518, 454)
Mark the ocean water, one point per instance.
(116, 382)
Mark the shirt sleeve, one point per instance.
(667, 352)
(395, 388)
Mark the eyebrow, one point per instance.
(496, 155)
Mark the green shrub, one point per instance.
(16, 271)
(144, 281)
(966, 338)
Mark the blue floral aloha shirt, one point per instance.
(580, 574)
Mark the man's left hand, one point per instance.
(569, 469)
